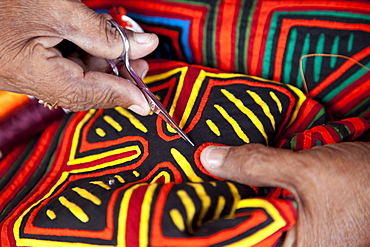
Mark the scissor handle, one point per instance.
(154, 104)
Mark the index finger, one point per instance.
(94, 34)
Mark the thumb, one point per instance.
(254, 164)
(95, 35)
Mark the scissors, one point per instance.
(154, 104)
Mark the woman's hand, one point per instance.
(331, 184)
(30, 63)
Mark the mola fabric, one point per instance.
(264, 38)
(113, 178)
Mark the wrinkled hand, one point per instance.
(331, 184)
(30, 63)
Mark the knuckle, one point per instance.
(113, 40)
(88, 98)
(245, 158)
(256, 153)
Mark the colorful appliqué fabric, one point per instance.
(272, 39)
(264, 38)
(113, 178)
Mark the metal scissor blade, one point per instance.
(113, 65)
(154, 103)
(159, 109)
(166, 117)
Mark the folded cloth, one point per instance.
(111, 177)
(24, 121)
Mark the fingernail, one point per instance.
(143, 38)
(137, 109)
(143, 74)
(214, 156)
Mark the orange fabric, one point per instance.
(10, 101)
(226, 19)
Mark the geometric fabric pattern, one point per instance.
(110, 177)
(265, 38)
(268, 39)
(114, 178)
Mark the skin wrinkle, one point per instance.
(336, 196)
(17, 77)
(330, 184)
(31, 65)
(111, 36)
(96, 94)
